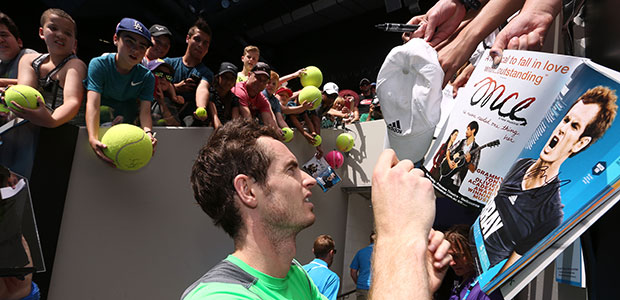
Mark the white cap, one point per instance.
(409, 89)
(330, 88)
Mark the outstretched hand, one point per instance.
(438, 23)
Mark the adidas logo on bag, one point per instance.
(395, 127)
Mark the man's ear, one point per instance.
(115, 39)
(41, 32)
(582, 143)
(243, 186)
(187, 37)
(20, 43)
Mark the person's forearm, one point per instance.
(202, 94)
(490, 17)
(65, 112)
(92, 114)
(389, 269)
(145, 115)
(543, 6)
(293, 110)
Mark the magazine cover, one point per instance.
(492, 120)
(568, 168)
(325, 176)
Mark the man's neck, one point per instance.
(190, 61)
(470, 140)
(121, 67)
(272, 256)
(539, 174)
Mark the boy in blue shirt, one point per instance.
(118, 80)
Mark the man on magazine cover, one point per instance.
(454, 179)
(528, 204)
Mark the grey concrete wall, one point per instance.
(140, 235)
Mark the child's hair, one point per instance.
(338, 103)
(250, 48)
(201, 25)
(274, 75)
(10, 25)
(59, 12)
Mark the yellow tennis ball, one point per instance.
(23, 95)
(312, 76)
(201, 112)
(317, 140)
(128, 146)
(311, 94)
(288, 134)
(345, 142)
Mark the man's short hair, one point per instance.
(10, 25)
(59, 12)
(473, 125)
(606, 100)
(458, 235)
(231, 150)
(250, 48)
(322, 245)
(201, 25)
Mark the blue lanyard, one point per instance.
(471, 286)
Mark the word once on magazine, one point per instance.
(491, 89)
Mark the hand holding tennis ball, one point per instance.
(127, 146)
(201, 113)
(317, 140)
(287, 133)
(21, 96)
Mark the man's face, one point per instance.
(285, 202)
(226, 81)
(131, 47)
(198, 44)
(59, 35)
(566, 138)
(9, 45)
(328, 99)
(256, 83)
(160, 48)
(469, 132)
(364, 87)
(250, 59)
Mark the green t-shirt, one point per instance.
(252, 284)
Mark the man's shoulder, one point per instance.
(224, 278)
(216, 290)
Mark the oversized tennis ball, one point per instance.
(317, 140)
(288, 134)
(312, 76)
(161, 122)
(345, 142)
(24, 95)
(128, 146)
(311, 94)
(201, 112)
(335, 159)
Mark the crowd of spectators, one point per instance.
(139, 84)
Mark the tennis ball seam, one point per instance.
(24, 96)
(118, 152)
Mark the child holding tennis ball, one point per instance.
(58, 74)
(118, 80)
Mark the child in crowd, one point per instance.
(250, 57)
(191, 77)
(374, 112)
(58, 74)
(223, 104)
(119, 80)
(272, 85)
(11, 51)
(164, 112)
(161, 39)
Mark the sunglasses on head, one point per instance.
(163, 75)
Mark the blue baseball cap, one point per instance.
(135, 26)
